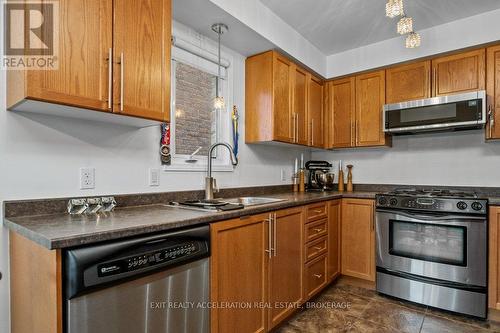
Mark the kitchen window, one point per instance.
(195, 124)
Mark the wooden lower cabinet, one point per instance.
(238, 273)
(358, 238)
(334, 216)
(285, 264)
(494, 259)
(315, 276)
(257, 261)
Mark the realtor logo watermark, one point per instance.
(31, 35)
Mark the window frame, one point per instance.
(222, 162)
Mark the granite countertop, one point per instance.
(55, 231)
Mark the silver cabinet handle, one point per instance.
(275, 245)
(122, 79)
(491, 120)
(269, 236)
(319, 276)
(297, 126)
(110, 77)
(294, 137)
(312, 132)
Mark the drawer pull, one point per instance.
(319, 248)
(319, 211)
(318, 230)
(319, 276)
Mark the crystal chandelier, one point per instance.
(405, 25)
(219, 103)
(394, 8)
(412, 40)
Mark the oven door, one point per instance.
(446, 247)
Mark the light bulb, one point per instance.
(413, 40)
(394, 8)
(219, 103)
(405, 25)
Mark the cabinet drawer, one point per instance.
(315, 276)
(315, 230)
(316, 248)
(316, 212)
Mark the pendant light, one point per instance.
(219, 103)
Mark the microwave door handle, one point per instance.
(433, 217)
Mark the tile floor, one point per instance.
(347, 308)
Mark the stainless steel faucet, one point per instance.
(210, 183)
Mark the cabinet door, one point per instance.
(334, 215)
(85, 39)
(494, 259)
(342, 112)
(370, 98)
(239, 273)
(300, 106)
(493, 91)
(358, 239)
(459, 73)
(285, 270)
(408, 82)
(142, 33)
(282, 92)
(315, 112)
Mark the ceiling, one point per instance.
(337, 25)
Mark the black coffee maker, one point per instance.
(319, 176)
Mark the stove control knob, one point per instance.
(393, 201)
(461, 205)
(382, 201)
(477, 206)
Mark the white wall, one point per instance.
(265, 22)
(41, 157)
(453, 159)
(467, 32)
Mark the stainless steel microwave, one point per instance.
(454, 112)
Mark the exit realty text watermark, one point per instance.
(30, 35)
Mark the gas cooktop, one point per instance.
(432, 200)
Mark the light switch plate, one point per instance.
(87, 178)
(154, 177)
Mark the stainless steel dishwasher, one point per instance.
(149, 284)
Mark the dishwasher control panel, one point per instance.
(149, 259)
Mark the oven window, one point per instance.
(429, 242)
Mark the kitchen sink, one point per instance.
(253, 201)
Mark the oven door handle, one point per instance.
(434, 217)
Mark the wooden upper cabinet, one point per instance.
(280, 99)
(493, 92)
(282, 79)
(286, 263)
(238, 273)
(370, 98)
(459, 73)
(408, 82)
(142, 33)
(300, 106)
(315, 112)
(358, 238)
(81, 80)
(341, 111)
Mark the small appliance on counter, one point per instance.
(319, 176)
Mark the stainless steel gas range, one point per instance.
(432, 248)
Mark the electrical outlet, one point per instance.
(283, 175)
(87, 178)
(154, 177)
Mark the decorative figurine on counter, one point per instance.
(349, 178)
